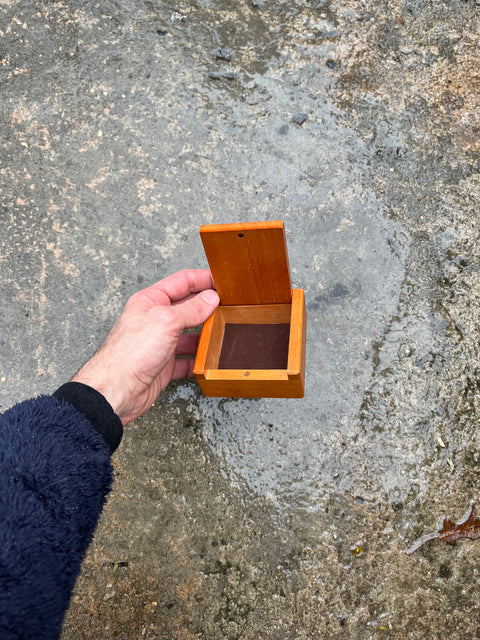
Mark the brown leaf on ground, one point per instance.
(451, 532)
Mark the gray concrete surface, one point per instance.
(247, 519)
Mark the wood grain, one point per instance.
(298, 325)
(249, 262)
(257, 313)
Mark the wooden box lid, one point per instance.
(249, 262)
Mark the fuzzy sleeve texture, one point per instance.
(55, 474)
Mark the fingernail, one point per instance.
(210, 296)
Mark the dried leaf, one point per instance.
(451, 532)
(469, 528)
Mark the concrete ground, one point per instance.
(123, 129)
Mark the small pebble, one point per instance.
(300, 118)
(222, 54)
(178, 17)
(405, 351)
(331, 64)
(226, 75)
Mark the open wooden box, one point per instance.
(253, 346)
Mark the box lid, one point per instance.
(249, 262)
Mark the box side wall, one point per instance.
(251, 388)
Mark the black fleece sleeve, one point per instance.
(95, 408)
(55, 474)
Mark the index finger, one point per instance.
(180, 285)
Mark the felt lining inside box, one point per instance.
(255, 346)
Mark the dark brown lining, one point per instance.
(255, 346)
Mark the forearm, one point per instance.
(55, 469)
(55, 474)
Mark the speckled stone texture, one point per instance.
(122, 131)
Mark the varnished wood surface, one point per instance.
(257, 313)
(249, 262)
(296, 351)
(251, 388)
(200, 364)
(216, 339)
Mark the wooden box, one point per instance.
(253, 346)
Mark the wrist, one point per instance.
(111, 392)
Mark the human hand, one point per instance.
(138, 358)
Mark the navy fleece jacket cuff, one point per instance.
(95, 408)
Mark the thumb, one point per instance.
(197, 309)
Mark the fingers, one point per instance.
(179, 285)
(183, 368)
(187, 344)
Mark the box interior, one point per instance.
(250, 337)
(254, 346)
